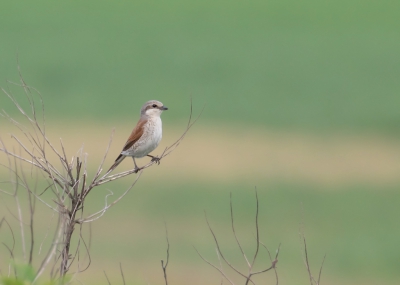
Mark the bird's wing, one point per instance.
(135, 135)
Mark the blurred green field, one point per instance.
(294, 64)
(354, 226)
(324, 70)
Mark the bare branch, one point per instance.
(108, 281)
(19, 211)
(11, 250)
(173, 146)
(306, 261)
(251, 273)
(65, 162)
(87, 248)
(220, 264)
(67, 184)
(313, 281)
(31, 214)
(234, 233)
(219, 250)
(212, 265)
(52, 250)
(320, 270)
(273, 261)
(100, 213)
(122, 273)
(164, 267)
(104, 157)
(258, 234)
(47, 233)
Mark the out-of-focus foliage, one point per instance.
(294, 64)
(25, 275)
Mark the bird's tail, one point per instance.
(119, 159)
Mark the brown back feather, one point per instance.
(135, 135)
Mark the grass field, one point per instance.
(348, 213)
(293, 64)
(317, 82)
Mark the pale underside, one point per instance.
(152, 134)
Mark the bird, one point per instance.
(145, 137)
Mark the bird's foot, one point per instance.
(137, 169)
(155, 159)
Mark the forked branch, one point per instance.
(68, 183)
(164, 266)
(250, 271)
(313, 281)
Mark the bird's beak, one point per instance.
(164, 108)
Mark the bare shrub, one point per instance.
(250, 262)
(67, 185)
(313, 280)
(41, 175)
(247, 276)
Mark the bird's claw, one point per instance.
(137, 169)
(156, 159)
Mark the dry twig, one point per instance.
(313, 281)
(122, 273)
(68, 183)
(247, 276)
(164, 267)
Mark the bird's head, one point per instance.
(153, 108)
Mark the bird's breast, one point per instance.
(150, 139)
(155, 130)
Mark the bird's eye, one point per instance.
(154, 106)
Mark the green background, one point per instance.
(306, 64)
(309, 66)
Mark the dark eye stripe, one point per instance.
(151, 107)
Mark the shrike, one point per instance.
(146, 136)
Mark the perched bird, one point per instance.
(146, 136)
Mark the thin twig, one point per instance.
(220, 264)
(108, 281)
(47, 233)
(258, 233)
(220, 256)
(212, 265)
(234, 232)
(67, 183)
(273, 261)
(18, 205)
(320, 270)
(122, 273)
(219, 250)
(31, 215)
(52, 250)
(164, 267)
(307, 264)
(11, 250)
(105, 156)
(100, 213)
